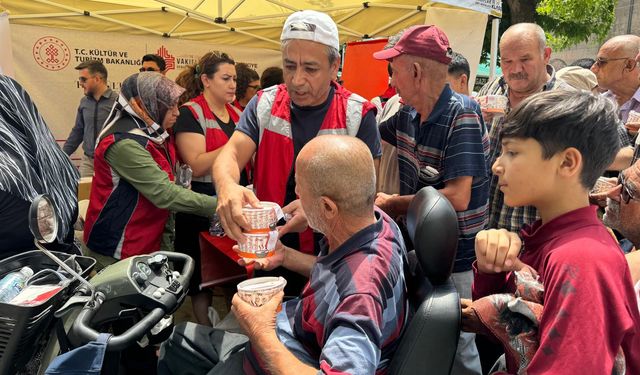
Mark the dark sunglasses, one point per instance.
(255, 87)
(625, 193)
(148, 70)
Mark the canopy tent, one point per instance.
(250, 23)
(119, 32)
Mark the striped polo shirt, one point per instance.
(452, 143)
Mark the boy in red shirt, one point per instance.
(554, 147)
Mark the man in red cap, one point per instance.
(442, 142)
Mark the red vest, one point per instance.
(120, 221)
(275, 153)
(215, 137)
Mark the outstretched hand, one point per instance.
(298, 221)
(231, 199)
(267, 264)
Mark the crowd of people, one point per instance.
(345, 169)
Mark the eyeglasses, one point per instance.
(600, 61)
(149, 69)
(255, 87)
(625, 193)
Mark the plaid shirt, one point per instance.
(626, 139)
(501, 215)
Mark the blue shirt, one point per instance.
(453, 142)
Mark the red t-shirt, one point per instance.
(590, 308)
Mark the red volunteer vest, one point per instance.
(120, 221)
(215, 137)
(275, 153)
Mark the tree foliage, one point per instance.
(569, 22)
(566, 22)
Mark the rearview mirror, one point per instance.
(43, 221)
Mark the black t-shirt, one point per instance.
(305, 124)
(186, 123)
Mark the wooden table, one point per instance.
(219, 263)
(84, 188)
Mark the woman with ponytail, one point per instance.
(204, 125)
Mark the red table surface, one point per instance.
(219, 263)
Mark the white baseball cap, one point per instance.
(313, 26)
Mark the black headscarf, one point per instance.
(31, 162)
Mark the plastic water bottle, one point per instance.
(13, 283)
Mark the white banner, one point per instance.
(492, 7)
(6, 56)
(45, 59)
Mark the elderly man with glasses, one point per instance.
(617, 71)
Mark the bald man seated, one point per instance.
(350, 315)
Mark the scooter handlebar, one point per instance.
(82, 328)
(187, 266)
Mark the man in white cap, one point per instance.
(280, 120)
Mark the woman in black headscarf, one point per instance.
(31, 163)
(133, 192)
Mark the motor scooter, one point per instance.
(132, 300)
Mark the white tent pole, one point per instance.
(174, 28)
(126, 11)
(233, 9)
(395, 22)
(191, 33)
(81, 13)
(258, 18)
(127, 24)
(247, 28)
(213, 23)
(43, 15)
(397, 6)
(188, 11)
(495, 23)
(98, 16)
(349, 15)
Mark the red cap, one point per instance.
(427, 41)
